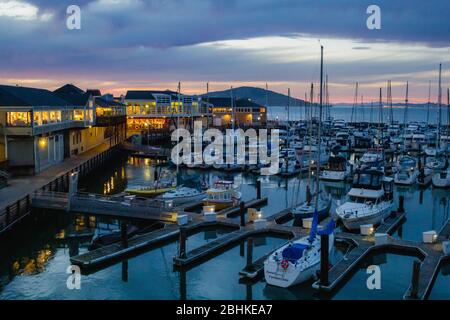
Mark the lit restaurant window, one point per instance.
(18, 119)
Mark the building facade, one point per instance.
(40, 128)
(243, 112)
(163, 110)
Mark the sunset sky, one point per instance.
(137, 44)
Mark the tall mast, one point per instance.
(389, 101)
(428, 105)
(289, 106)
(207, 101)
(178, 118)
(319, 130)
(355, 102)
(380, 120)
(439, 106)
(232, 107)
(405, 117)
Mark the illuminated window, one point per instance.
(18, 119)
(78, 115)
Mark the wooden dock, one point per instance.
(94, 204)
(196, 222)
(431, 256)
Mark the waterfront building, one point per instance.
(163, 110)
(246, 112)
(39, 128)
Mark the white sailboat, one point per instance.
(299, 261)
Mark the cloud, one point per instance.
(18, 10)
(138, 42)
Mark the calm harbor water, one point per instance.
(366, 114)
(36, 255)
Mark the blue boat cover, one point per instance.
(294, 252)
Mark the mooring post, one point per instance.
(249, 266)
(324, 265)
(401, 204)
(308, 195)
(123, 234)
(258, 189)
(415, 279)
(242, 213)
(182, 244)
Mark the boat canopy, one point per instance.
(294, 252)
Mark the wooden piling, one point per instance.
(258, 189)
(123, 234)
(249, 266)
(401, 204)
(182, 243)
(324, 265)
(242, 213)
(415, 279)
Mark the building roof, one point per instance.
(150, 94)
(105, 103)
(219, 102)
(68, 89)
(247, 103)
(238, 103)
(11, 96)
(94, 92)
(73, 95)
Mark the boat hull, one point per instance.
(375, 219)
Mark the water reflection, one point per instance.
(39, 251)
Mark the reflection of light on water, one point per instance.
(32, 266)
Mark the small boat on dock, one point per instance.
(370, 199)
(442, 179)
(407, 172)
(223, 194)
(182, 195)
(337, 169)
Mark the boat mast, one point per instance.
(178, 120)
(319, 130)
(355, 102)
(405, 116)
(428, 105)
(438, 142)
(207, 101)
(389, 100)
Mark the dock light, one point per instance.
(429, 236)
(209, 209)
(168, 204)
(366, 229)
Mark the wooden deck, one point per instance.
(431, 256)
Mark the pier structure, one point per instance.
(16, 198)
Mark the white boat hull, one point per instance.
(374, 219)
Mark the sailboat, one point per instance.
(441, 179)
(322, 203)
(298, 261)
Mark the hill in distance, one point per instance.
(257, 95)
